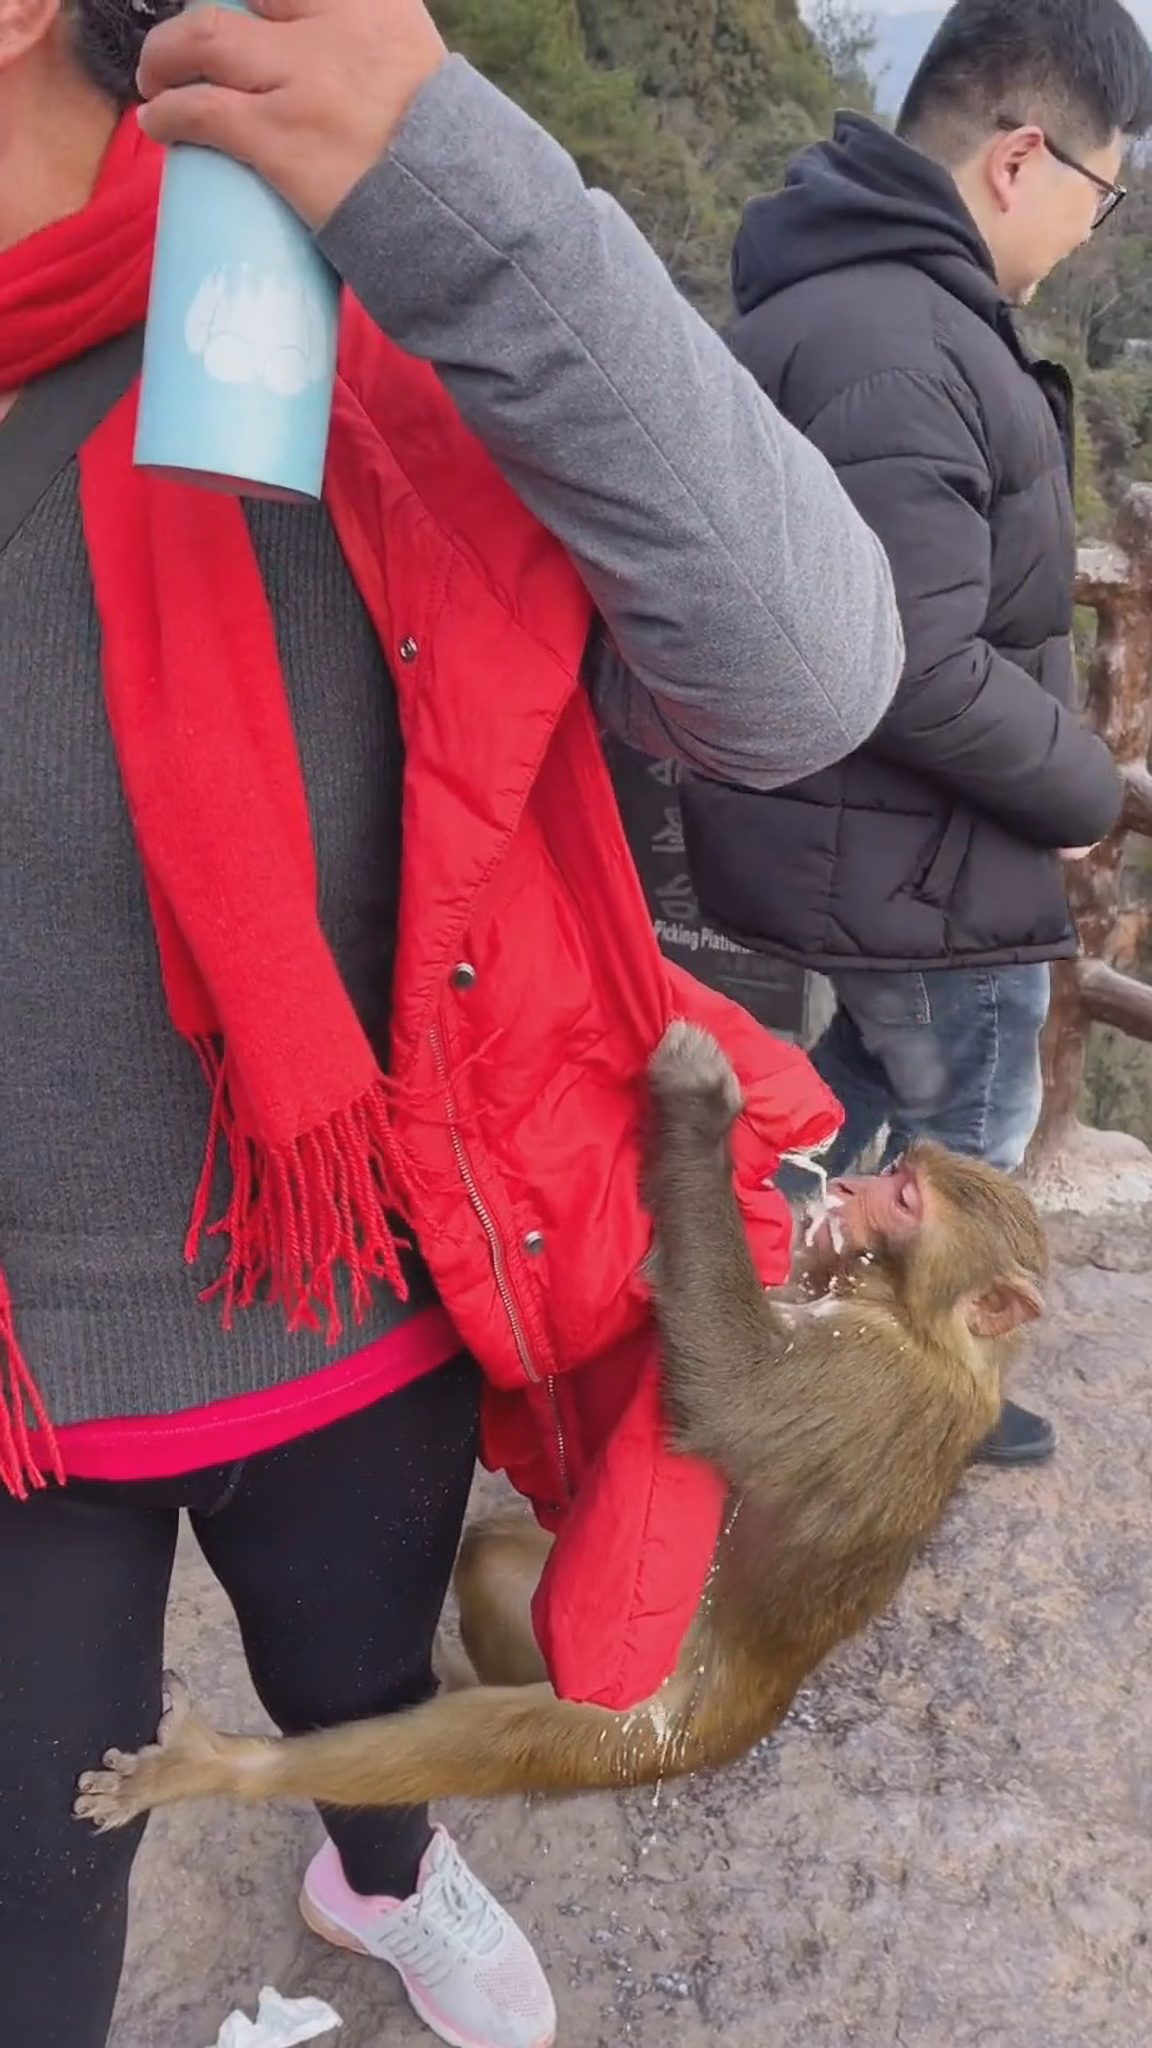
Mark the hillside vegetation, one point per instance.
(682, 108)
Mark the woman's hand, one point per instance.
(308, 92)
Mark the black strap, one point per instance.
(51, 421)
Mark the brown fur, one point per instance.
(842, 1424)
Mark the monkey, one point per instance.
(841, 1419)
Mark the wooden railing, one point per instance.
(1115, 582)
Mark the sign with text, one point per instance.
(646, 791)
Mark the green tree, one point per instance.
(681, 108)
(846, 38)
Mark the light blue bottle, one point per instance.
(240, 343)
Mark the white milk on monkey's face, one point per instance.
(822, 1209)
(821, 1212)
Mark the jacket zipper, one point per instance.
(500, 1272)
(558, 1428)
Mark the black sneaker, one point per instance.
(1020, 1438)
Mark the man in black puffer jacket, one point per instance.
(924, 874)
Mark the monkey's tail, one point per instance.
(489, 1741)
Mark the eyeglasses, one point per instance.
(1109, 196)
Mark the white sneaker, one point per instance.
(469, 1972)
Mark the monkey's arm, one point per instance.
(798, 1398)
(477, 1744)
(724, 1339)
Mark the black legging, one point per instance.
(335, 1553)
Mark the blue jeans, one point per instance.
(951, 1054)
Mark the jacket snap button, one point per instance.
(534, 1243)
(463, 975)
(409, 649)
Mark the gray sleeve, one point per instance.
(750, 610)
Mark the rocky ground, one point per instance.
(949, 1847)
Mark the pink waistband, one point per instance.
(164, 1446)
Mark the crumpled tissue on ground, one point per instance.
(279, 2023)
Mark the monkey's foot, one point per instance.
(188, 1760)
(689, 1066)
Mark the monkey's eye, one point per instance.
(908, 1192)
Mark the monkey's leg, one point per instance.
(721, 1333)
(497, 1574)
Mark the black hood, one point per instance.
(860, 198)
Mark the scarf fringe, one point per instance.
(302, 1216)
(22, 1469)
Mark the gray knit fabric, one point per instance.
(103, 1110)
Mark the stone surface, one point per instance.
(1095, 1173)
(950, 1846)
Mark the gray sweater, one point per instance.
(748, 626)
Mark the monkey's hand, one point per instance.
(188, 1760)
(695, 1087)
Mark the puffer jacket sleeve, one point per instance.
(908, 448)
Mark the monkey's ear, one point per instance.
(1005, 1306)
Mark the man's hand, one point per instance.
(308, 92)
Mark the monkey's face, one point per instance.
(951, 1234)
(866, 1213)
(880, 1209)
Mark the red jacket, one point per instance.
(530, 994)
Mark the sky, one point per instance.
(1142, 9)
(904, 28)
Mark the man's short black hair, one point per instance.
(1080, 69)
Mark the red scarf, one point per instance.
(207, 753)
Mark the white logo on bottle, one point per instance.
(250, 327)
